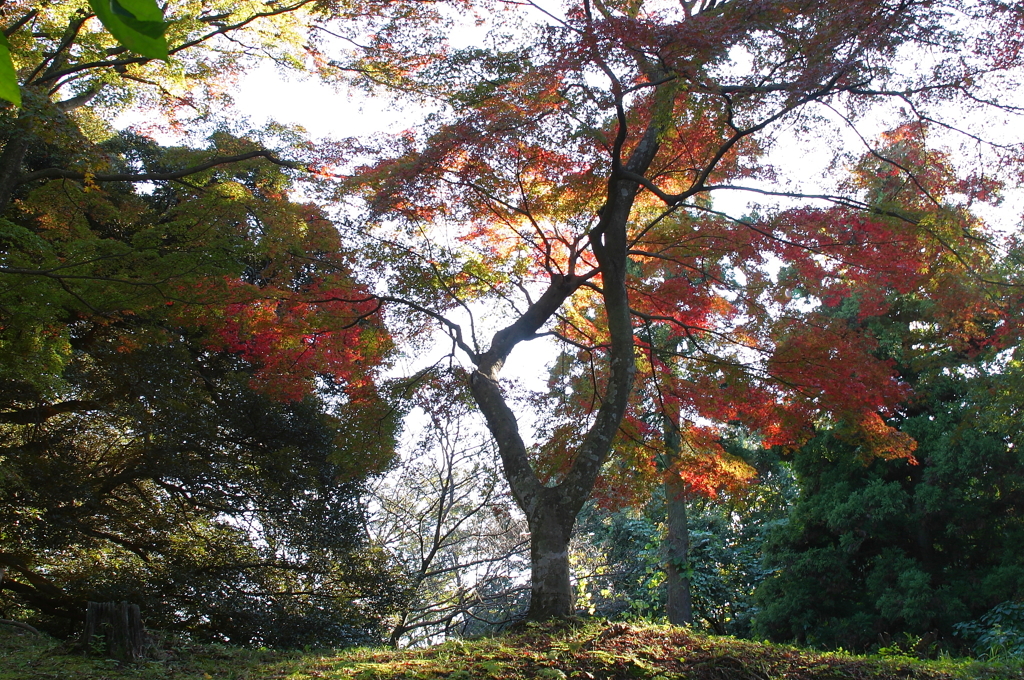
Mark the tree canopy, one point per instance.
(189, 390)
(189, 406)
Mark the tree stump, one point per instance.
(116, 628)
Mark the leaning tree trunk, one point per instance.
(116, 628)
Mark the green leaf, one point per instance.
(136, 24)
(142, 15)
(8, 78)
(143, 10)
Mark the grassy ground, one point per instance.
(591, 651)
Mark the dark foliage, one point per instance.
(877, 551)
(223, 513)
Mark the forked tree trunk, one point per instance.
(116, 629)
(551, 510)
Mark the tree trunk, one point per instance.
(398, 631)
(678, 605)
(11, 159)
(116, 628)
(551, 593)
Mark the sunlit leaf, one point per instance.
(136, 24)
(8, 78)
(142, 10)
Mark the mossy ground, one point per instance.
(585, 651)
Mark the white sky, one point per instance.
(265, 94)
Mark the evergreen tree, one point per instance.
(898, 549)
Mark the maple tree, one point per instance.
(230, 259)
(563, 189)
(101, 227)
(156, 298)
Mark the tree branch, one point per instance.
(40, 414)
(60, 173)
